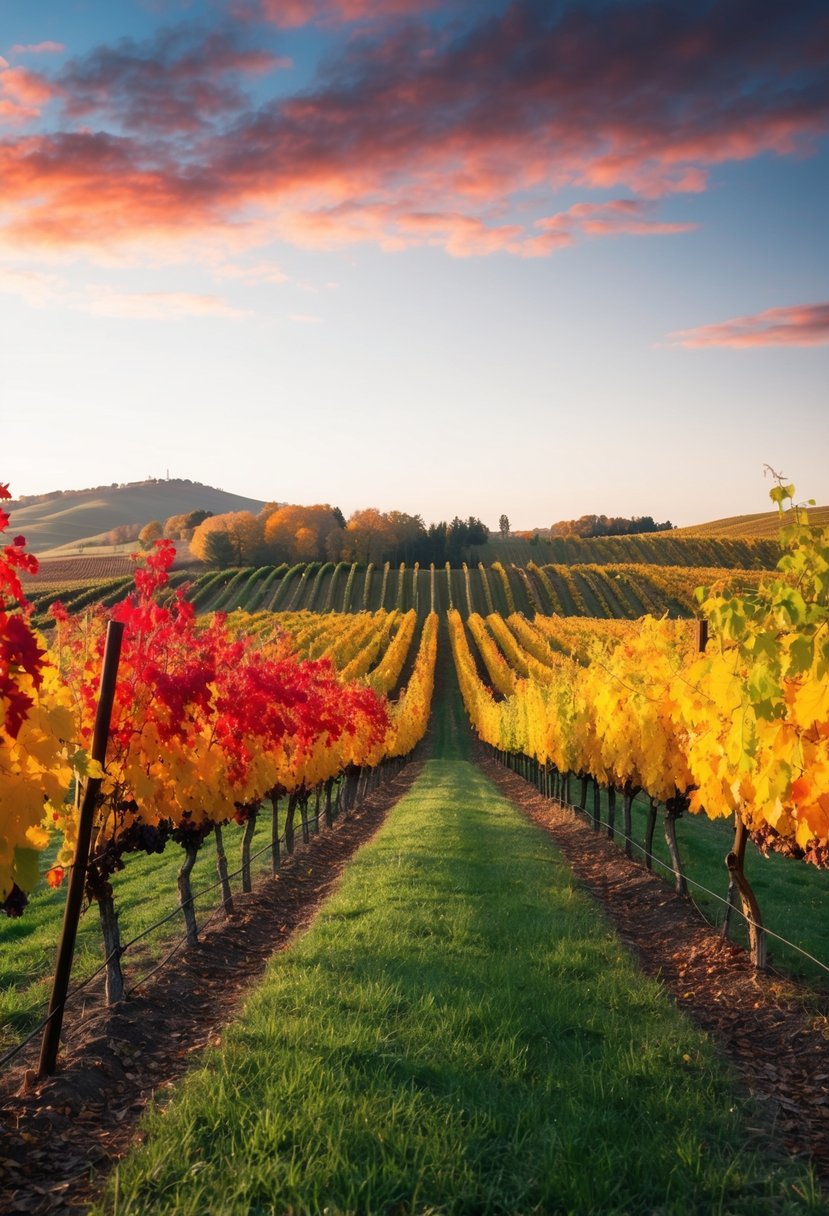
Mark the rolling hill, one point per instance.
(65, 518)
(765, 524)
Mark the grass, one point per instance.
(458, 1032)
(145, 891)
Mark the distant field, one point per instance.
(675, 548)
(89, 567)
(80, 569)
(764, 524)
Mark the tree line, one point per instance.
(608, 525)
(319, 533)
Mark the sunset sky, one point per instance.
(541, 258)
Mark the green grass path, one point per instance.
(458, 1032)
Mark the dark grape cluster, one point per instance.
(186, 832)
(15, 902)
(137, 838)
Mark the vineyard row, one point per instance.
(623, 592)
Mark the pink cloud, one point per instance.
(38, 48)
(621, 216)
(457, 136)
(97, 192)
(801, 325)
(395, 227)
(294, 13)
(22, 93)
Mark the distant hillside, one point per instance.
(64, 518)
(763, 524)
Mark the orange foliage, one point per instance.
(243, 530)
(294, 533)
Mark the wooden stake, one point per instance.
(77, 877)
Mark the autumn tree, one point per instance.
(124, 534)
(608, 525)
(173, 525)
(181, 526)
(410, 532)
(244, 534)
(335, 543)
(150, 533)
(294, 533)
(219, 550)
(368, 536)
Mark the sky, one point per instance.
(539, 259)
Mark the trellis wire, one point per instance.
(572, 806)
(177, 911)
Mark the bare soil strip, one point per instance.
(60, 1137)
(775, 1035)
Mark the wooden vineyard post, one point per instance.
(751, 909)
(77, 877)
